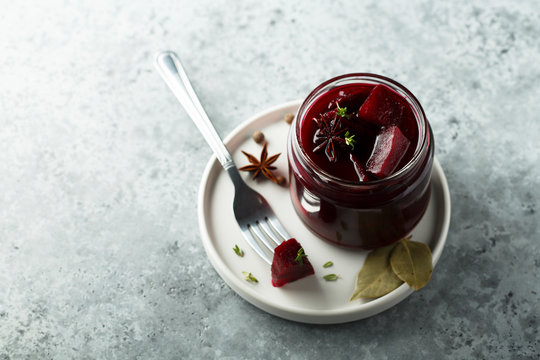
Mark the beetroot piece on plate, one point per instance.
(285, 266)
(383, 107)
(390, 147)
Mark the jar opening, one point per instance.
(369, 79)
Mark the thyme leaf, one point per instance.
(342, 111)
(249, 277)
(238, 251)
(349, 140)
(331, 277)
(300, 256)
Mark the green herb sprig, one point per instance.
(349, 139)
(300, 256)
(238, 251)
(331, 277)
(248, 277)
(342, 111)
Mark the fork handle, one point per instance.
(170, 68)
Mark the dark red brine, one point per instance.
(360, 160)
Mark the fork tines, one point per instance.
(268, 231)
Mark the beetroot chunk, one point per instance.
(383, 107)
(390, 147)
(285, 268)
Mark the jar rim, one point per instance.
(420, 117)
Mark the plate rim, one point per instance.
(294, 313)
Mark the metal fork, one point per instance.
(254, 215)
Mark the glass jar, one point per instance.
(363, 215)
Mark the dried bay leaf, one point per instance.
(412, 262)
(386, 282)
(376, 277)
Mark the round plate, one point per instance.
(312, 299)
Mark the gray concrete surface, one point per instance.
(100, 252)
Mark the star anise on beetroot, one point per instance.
(262, 166)
(328, 134)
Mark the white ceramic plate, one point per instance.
(312, 299)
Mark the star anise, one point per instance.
(262, 166)
(327, 135)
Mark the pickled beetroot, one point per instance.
(383, 107)
(365, 111)
(341, 201)
(390, 147)
(285, 267)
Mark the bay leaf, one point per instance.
(376, 277)
(412, 262)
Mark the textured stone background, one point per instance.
(100, 252)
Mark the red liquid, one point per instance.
(335, 200)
